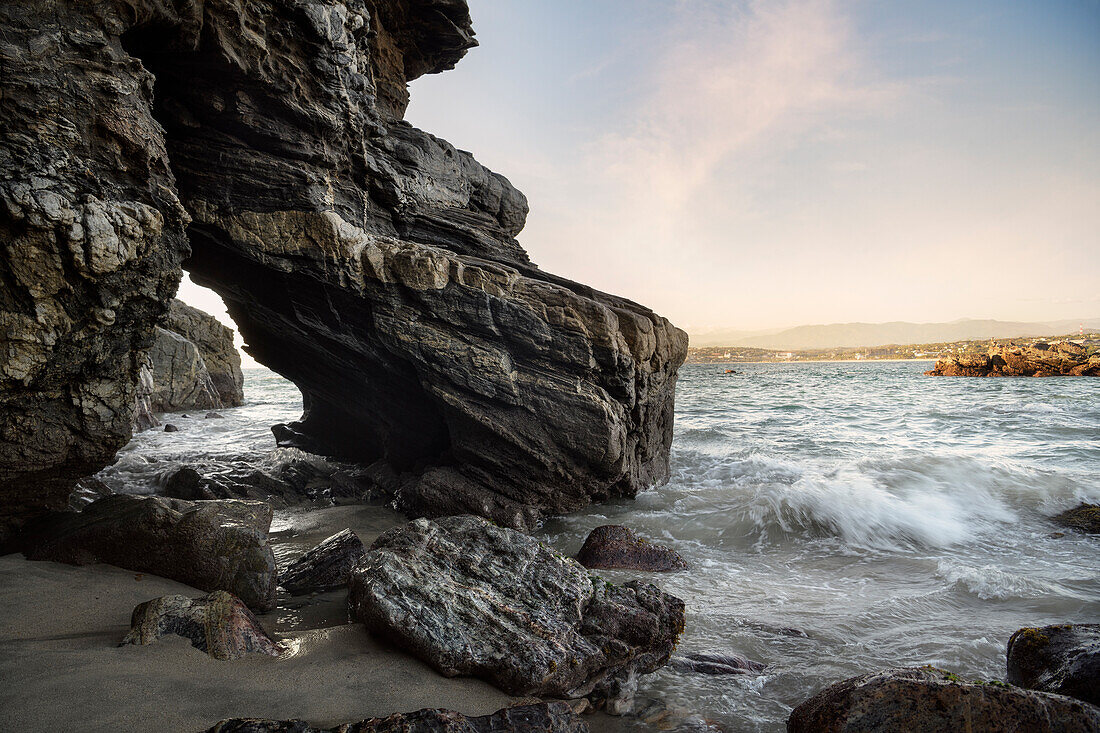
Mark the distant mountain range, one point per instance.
(837, 335)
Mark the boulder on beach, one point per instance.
(210, 545)
(930, 700)
(715, 664)
(324, 567)
(1083, 518)
(1064, 659)
(1062, 359)
(546, 717)
(218, 624)
(471, 598)
(613, 546)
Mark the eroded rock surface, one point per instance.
(211, 545)
(218, 624)
(371, 263)
(615, 546)
(1065, 359)
(928, 700)
(553, 717)
(471, 598)
(1064, 659)
(324, 567)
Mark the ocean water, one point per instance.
(838, 517)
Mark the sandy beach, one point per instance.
(61, 667)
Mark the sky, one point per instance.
(756, 165)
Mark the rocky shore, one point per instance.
(1064, 359)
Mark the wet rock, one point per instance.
(324, 567)
(211, 545)
(471, 598)
(615, 546)
(929, 700)
(86, 491)
(214, 342)
(716, 664)
(1034, 360)
(1064, 659)
(218, 624)
(170, 428)
(1083, 518)
(552, 717)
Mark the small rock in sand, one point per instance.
(218, 624)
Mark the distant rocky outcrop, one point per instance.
(211, 545)
(371, 263)
(471, 598)
(546, 717)
(929, 700)
(218, 624)
(1063, 359)
(1064, 659)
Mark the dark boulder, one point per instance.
(211, 545)
(547, 717)
(1083, 518)
(218, 624)
(325, 567)
(1064, 659)
(471, 598)
(929, 700)
(715, 664)
(614, 546)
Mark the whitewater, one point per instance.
(838, 517)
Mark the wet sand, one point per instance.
(61, 667)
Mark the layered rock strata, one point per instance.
(211, 545)
(1064, 359)
(471, 598)
(371, 263)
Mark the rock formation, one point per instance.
(1064, 359)
(552, 717)
(374, 265)
(324, 567)
(1064, 659)
(218, 624)
(471, 598)
(214, 342)
(211, 545)
(615, 546)
(928, 700)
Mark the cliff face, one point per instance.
(374, 265)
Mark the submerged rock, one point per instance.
(211, 545)
(716, 664)
(929, 700)
(615, 546)
(324, 567)
(1083, 518)
(547, 717)
(1063, 359)
(1064, 659)
(218, 624)
(471, 598)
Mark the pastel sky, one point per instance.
(751, 165)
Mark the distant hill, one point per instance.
(837, 335)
